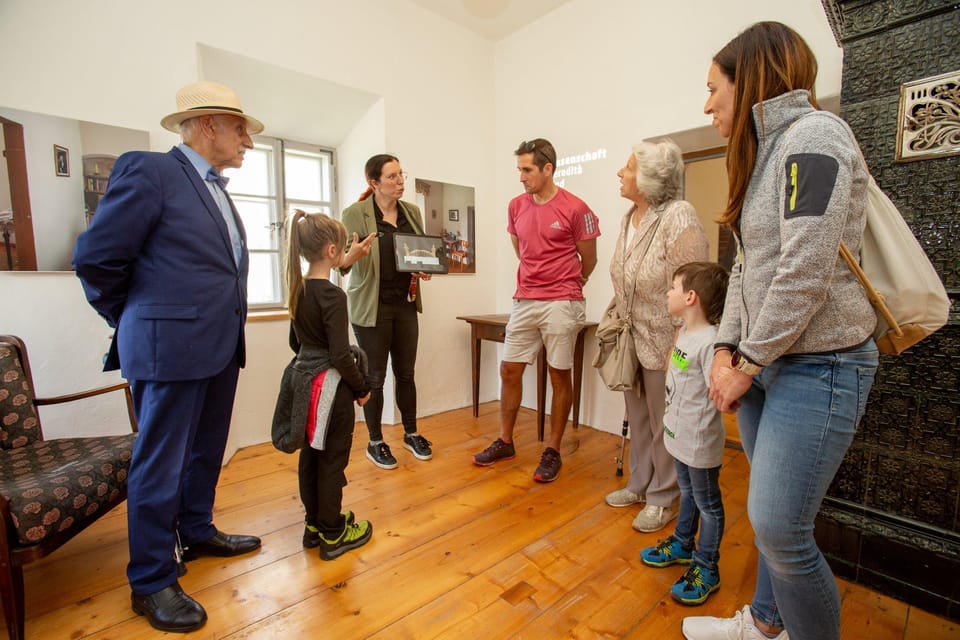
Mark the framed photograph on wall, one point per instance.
(454, 215)
(61, 160)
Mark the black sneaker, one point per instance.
(418, 446)
(311, 535)
(353, 535)
(549, 467)
(499, 450)
(379, 454)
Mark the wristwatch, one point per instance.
(741, 364)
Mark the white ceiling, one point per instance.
(292, 105)
(492, 19)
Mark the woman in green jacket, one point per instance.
(384, 303)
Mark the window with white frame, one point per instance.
(277, 177)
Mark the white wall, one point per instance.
(605, 75)
(99, 139)
(66, 342)
(127, 62)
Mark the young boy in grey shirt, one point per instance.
(693, 433)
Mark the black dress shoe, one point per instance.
(222, 545)
(170, 609)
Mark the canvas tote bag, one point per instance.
(901, 283)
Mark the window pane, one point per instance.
(309, 207)
(304, 172)
(258, 218)
(255, 177)
(264, 190)
(263, 284)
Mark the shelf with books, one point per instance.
(96, 175)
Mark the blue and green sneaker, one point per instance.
(696, 585)
(666, 552)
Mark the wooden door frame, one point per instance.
(15, 153)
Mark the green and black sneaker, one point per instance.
(311, 535)
(354, 534)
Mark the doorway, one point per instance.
(17, 252)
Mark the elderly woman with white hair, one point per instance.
(659, 233)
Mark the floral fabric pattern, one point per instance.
(53, 485)
(19, 424)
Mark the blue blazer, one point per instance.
(158, 265)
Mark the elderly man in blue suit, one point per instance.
(165, 263)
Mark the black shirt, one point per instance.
(394, 285)
(321, 323)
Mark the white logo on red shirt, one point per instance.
(589, 223)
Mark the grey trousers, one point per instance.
(652, 471)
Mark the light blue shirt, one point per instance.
(219, 196)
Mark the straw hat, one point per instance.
(207, 99)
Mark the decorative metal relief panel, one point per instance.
(929, 121)
(853, 19)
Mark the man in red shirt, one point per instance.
(554, 234)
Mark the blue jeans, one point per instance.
(700, 500)
(796, 422)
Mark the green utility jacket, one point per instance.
(363, 287)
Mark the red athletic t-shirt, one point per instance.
(548, 233)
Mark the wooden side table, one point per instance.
(493, 327)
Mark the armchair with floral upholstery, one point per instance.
(50, 490)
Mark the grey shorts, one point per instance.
(553, 324)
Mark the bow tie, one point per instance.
(214, 176)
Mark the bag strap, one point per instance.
(633, 289)
(874, 296)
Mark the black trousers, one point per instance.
(395, 335)
(322, 477)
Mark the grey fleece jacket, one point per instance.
(790, 291)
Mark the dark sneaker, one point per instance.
(499, 450)
(667, 552)
(379, 454)
(696, 585)
(355, 534)
(311, 535)
(549, 467)
(418, 446)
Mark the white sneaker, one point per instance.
(739, 627)
(653, 518)
(622, 498)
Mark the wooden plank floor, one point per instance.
(458, 552)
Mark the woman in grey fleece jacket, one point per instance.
(794, 356)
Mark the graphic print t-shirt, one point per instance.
(692, 427)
